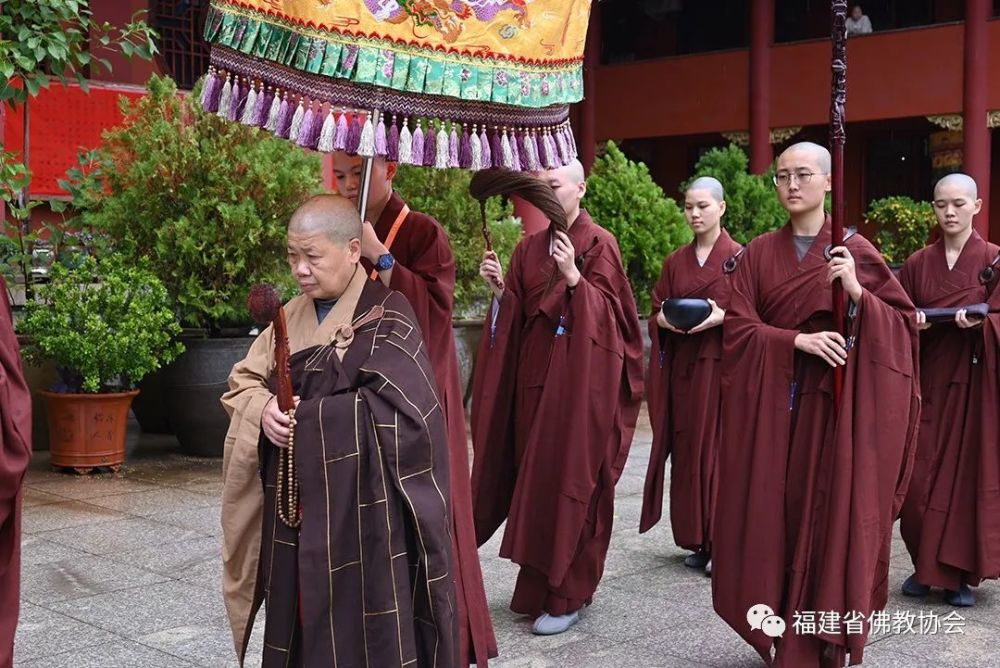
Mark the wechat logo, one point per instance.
(761, 617)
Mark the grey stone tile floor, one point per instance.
(124, 572)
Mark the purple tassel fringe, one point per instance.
(430, 147)
(453, 148)
(260, 111)
(465, 151)
(486, 150)
(392, 149)
(234, 101)
(284, 119)
(340, 136)
(497, 151)
(515, 151)
(305, 132)
(418, 145)
(354, 135)
(381, 143)
(210, 92)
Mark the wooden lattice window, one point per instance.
(181, 25)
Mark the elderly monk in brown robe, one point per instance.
(555, 401)
(682, 388)
(951, 516)
(15, 452)
(409, 252)
(808, 489)
(367, 579)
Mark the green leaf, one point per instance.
(32, 85)
(82, 80)
(127, 48)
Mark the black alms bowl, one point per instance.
(685, 314)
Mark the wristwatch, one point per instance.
(385, 262)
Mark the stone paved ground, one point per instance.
(124, 572)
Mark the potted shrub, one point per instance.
(104, 325)
(904, 227)
(206, 202)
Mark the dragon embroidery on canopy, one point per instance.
(448, 17)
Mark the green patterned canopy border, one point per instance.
(384, 63)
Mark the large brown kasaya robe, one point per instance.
(808, 493)
(425, 274)
(682, 392)
(951, 517)
(367, 579)
(555, 401)
(15, 452)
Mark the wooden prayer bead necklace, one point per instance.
(288, 498)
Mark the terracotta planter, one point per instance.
(87, 431)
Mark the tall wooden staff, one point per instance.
(838, 137)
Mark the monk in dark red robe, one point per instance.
(15, 452)
(357, 572)
(555, 400)
(809, 490)
(951, 517)
(409, 252)
(682, 388)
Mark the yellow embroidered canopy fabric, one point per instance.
(440, 71)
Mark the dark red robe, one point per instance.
(425, 273)
(951, 517)
(15, 452)
(682, 392)
(555, 401)
(808, 494)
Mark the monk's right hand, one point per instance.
(661, 320)
(491, 270)
(275, 423)
(828, 345)
(922, 323)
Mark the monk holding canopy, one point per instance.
(408, 251)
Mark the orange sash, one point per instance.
(393, 231)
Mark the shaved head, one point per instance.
(819, 154)
(572, 172)
(333, 215)
(569, 183)
(963, 182)
(711, 184)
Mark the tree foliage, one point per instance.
(623, 198)
(444, 195)
(752, 205)
(41, 40)
(205, 201)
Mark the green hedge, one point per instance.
(623, 198)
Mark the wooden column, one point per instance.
(976, 135)
(761, 37)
